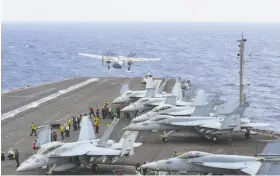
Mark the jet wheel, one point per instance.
(94, 168)
(164, 139)
(214, 138)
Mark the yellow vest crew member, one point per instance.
(62, 130)
(96, 124)
(69, 123)
(33, 129)
(108, 124)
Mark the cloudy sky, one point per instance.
(142, 10)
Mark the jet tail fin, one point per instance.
(271, 149)
(171, 100)
(107, 133)
(128, 144)
(125, 87)
(44, 135)
(87, 131)
(162, 86)
(231, 122)
(200, 103)
(177, 90)
(150, 93)
(149, 83)
(211, 105)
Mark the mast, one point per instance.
(241, 71)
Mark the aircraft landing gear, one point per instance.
(214, 138)
(165, 139)
(94, 168)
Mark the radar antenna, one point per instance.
(241, 71)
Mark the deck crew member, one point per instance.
(176, 154)
(54, 136)
(11, 154)
(34, 146)
(97, 111)
(33, 129)
(17, 157)
(118, 110)
(62, 130)
(91, 111)
(69, 123)
(67, 131)
(103, 112)
(96, 124)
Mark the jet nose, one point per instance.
(140, 118)
(117, 100)
(23, 167)
(131, 127)
(152, 165)
(128, 108)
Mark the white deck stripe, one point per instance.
(43, 100)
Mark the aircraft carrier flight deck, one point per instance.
(75, 101)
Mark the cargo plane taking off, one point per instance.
(119, 61)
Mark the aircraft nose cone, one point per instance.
(128, 108)
(23, 167)
(116, 100)
(131, 127)
(152, 165)
(140, 118)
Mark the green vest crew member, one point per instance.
(33, 129)
(96, 124)
(69, 123)
(16, 157)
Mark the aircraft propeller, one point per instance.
(130, 55)
(108, 53)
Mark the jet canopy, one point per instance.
(161, 108)
(49, 147)
(192, 154)
(142, 100)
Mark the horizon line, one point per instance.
(89, 21)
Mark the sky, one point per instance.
(142, 10)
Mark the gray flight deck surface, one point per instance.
(16, 130)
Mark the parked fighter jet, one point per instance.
(265, 163)
(199, 107)
(202, 162)
(132, 96)
(209, 127)
(66, 156)
(150, 101)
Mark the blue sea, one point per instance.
(205, 53)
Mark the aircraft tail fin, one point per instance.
(86, 131)
(271, 149)
(128, 144)
(162, 86)
(171, 100)
(125, 87)
(44, 135)
(177, 90)
(107, 133)
(200, 103)
(150, 93)
(211, 105)
(149, 83)
(232, 122)
(226, 109)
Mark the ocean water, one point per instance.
(205, 53)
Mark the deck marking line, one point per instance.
(45, 99)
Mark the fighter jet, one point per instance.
(203, 162)
(67, 156)
(208, 127)
(128, 96)
(150, 101)
(266, 163)
(199, 107)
